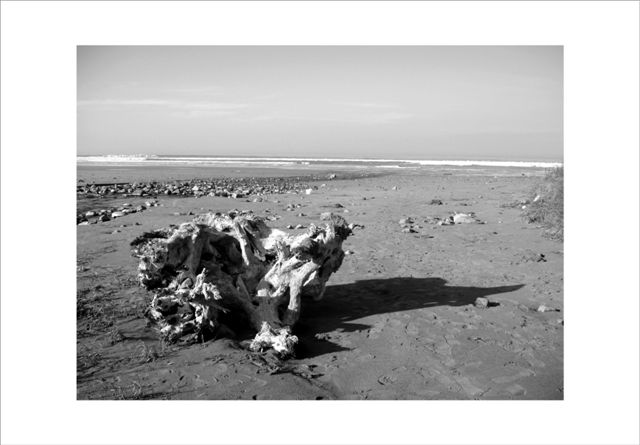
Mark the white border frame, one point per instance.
(601, 266)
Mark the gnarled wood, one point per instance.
(219, 263)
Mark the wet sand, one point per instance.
(398, 319)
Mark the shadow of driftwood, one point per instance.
(346, 303)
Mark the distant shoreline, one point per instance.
(300, 161)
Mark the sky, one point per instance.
(394, 102)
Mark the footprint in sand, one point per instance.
(365, 358)
(412, 329)
(530, 357)
(219, 369)
(198, 382)
(516, 390)
(377, 328)
(512, 378)
(427, 393)
(469, 387)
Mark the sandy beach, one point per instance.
(398, 319)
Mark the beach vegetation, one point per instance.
(546, 207)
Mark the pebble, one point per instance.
(223, 187)
(516, 390)
(105, 215)
(464, 218)
(387, 379)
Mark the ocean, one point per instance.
(301, 163)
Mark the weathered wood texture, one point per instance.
(219, 263)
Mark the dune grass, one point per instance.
(547, 204)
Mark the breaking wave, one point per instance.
(289, 161)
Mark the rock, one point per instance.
(104, 218)
(116, 231)
(332, 176)
(338, 206)
(84, 223)
(300, 215)
(117, 214)
(90, 214)
(325, 216)
(394, 188)
(543, 308)
(482, 303)
(404, 221)
(289, 226)
(435, 202)
(299, 226)
(308, 191)
(530, 256)
(464, 218)
(348, 252)
(387, 379)
(408, 230)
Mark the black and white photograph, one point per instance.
(320, 222)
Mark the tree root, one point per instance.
(235, 264)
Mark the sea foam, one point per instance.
(291, 161)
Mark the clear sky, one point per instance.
(414, 102)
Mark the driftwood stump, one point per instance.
(219, 263)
